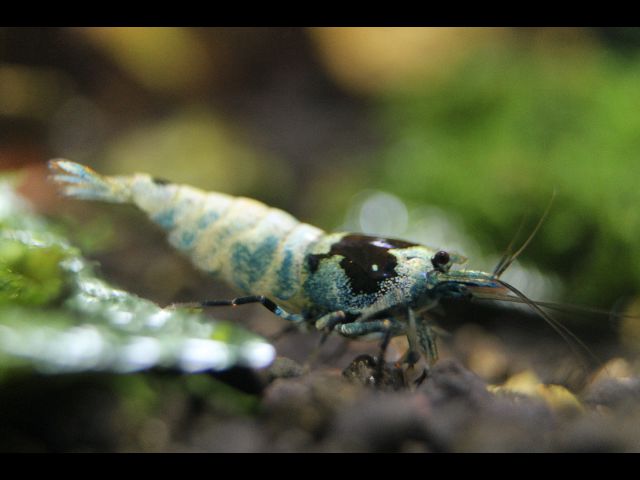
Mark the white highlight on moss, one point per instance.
(258, 354)
(139, 354)
(201, 354)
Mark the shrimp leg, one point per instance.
(267, 303)
(385, 328)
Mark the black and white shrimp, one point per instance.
(356, 285)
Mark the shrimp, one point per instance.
(358, 286)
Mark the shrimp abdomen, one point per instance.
(258, 249)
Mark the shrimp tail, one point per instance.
(80, 181)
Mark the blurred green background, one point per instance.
(447, 136)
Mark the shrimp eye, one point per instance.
(440, 260)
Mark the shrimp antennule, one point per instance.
(508, 258)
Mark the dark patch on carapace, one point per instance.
(367, 261)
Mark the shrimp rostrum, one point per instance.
(358, 286)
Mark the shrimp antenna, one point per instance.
(508, 258)
(561, 307)
(567, 335)
(508, 251)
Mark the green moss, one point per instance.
(29, 275)
(57, 316)
(221, 397)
